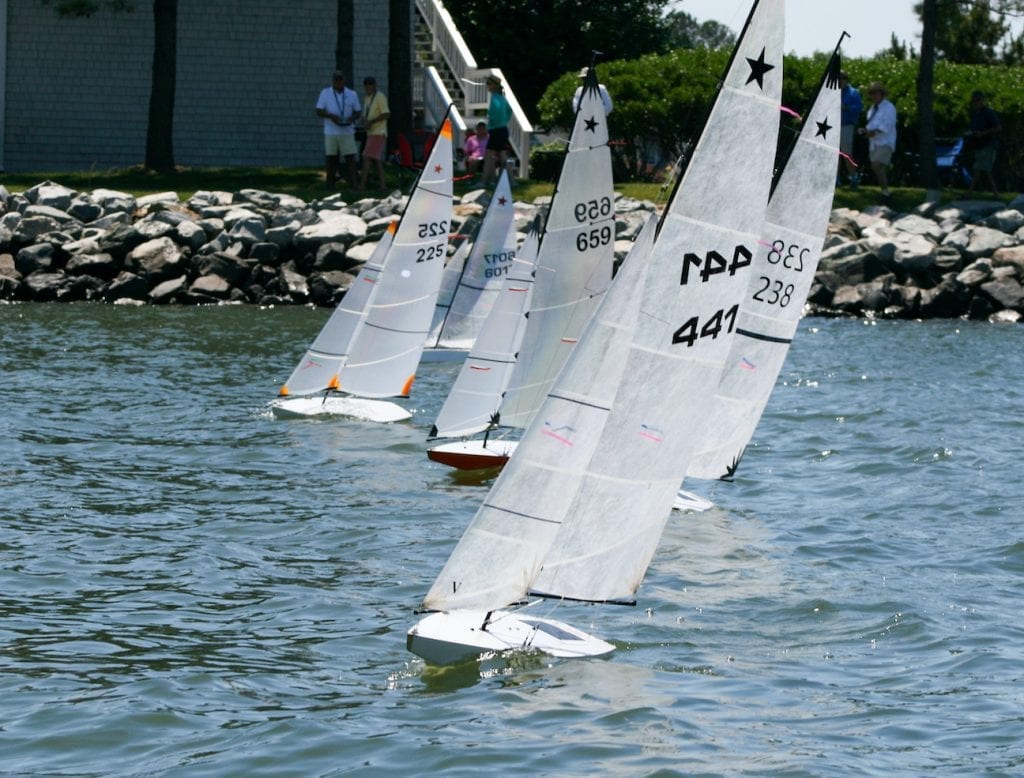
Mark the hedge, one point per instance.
(661, 101)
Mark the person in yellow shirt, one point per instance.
(375, 120)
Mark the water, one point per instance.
(189, 587)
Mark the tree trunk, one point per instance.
(400, 65)
(160, 131)
(343, 60)
(926, 99)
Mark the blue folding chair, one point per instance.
(950, 161)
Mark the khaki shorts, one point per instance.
(340, 145)
(881, 154)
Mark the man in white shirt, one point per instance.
(881, 133)
(605, 97)
(339, 107)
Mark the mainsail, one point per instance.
(475, 396)
(460, 314)
(318, 369)
(574, 262)
(781, 274)
(578, 511)
(386, 350)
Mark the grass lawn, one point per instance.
(307, 184)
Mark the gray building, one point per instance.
(74, 92)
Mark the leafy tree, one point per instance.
(974, 32)
(535, 41)
(159, 132)
(685, 32)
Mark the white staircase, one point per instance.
(448, 73)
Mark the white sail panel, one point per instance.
(476, 393)
(697, 277)
(574, 264)
(449, 283)
(318, 369)
(781, 275)
(387, 348)
(527, 502)
(490, 261)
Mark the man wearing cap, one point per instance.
(375, 120)
(985, 127)
(339, 107)
(605, 97)
(881, 133)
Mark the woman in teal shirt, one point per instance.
(498, 114)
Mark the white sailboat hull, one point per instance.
(352, 407)
(459, 636)
(688, 501)
(444, 354)
(473, 454)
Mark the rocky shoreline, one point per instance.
(961, 259)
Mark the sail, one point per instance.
(319, 366)
(578, 511)
(781, 274)
(529, 487)
(574, 263)
(490, 260)
(449, 283)
(476, 394)
(387, 348)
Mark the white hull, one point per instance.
(444, 354)
(688, 501)
(353, 407)
(459, 636)
(473, 454)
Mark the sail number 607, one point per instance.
(690, 332)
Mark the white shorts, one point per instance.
(340, 145)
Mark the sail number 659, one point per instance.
(593, 238)
(592, 209)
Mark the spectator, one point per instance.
(852, 105)
(881, 134)
(498, 115)
(375, 120)
(339, 107)
(602, 90)
(983, 137)
(475, 148)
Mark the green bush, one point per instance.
(546, 161)
(661, 101)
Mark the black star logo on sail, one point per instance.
(758, 67)
(823, 128)
(591, 124)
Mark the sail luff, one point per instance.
(489, 261)
(476, 393)
(782, 272)
(319, 367)
(574, 262)
(386, 351)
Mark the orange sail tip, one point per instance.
(408, 386)
(333, 383)
(283, 391)
(446, 129)
(393, 227)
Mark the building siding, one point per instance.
(248, 75)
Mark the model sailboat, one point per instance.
(390, 325)
(471, 283)
(577, 513)
(573, 270)
(781, 274)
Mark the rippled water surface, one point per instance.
(189, 587)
